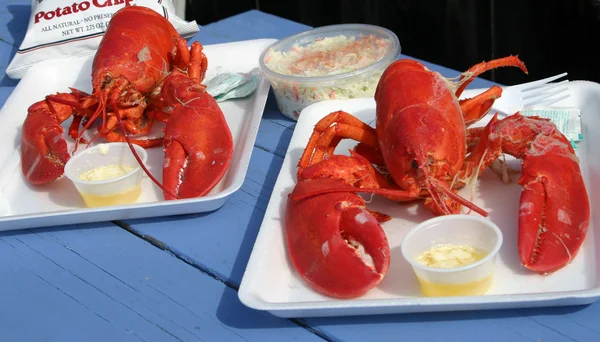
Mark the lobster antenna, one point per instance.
(448, 192)
(349, 188)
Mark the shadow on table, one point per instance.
(231, 311)
(234, 314)
(476, 315)
(256, 218)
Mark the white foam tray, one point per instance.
(271, 284)
(59, 203)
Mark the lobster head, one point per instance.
(142, 57)
(420, 126)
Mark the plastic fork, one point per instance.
(537, 93)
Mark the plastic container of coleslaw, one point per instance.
(330, 62)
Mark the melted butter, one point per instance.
(453, 256)
(105, 172)
(450, 256)
(124, 197)
(473, 288)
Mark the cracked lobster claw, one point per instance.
(333, 241)
(198, 142)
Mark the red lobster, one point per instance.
(423, 148)
(143, 71)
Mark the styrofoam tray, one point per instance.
(271, 284)
(59, 203)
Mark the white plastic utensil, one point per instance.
(541, 92)
(5, 175)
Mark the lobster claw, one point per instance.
(43, 148)
(198, 142)
(554, 210)
(333, 241)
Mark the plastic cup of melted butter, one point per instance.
(107, 174)
(453, 255)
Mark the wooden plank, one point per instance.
(219, 242)
(275, 131)
(248, 25)
(579, 323)
(100, 283)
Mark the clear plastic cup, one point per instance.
(124, 189)
(294, 92)
(469, 280)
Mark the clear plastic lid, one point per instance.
(348, 30)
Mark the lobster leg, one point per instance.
(333, 126)
(109, 133)
(475, 108)
(372, 154)
(318, 161)
(333, 242)
(478, 69)
(192, 60)
(198, 62)
(83, 105)
(357, 174)
(554, 209)
(74, 128)
(145, 143)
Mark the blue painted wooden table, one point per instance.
(176, 278)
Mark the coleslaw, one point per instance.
(329, 56)
(325, 69)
